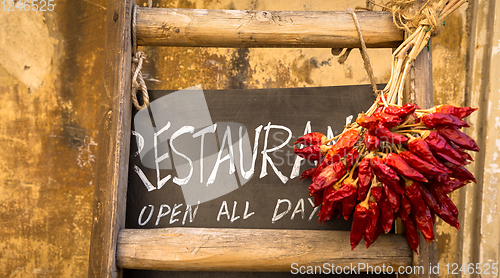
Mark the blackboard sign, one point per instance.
(224, 158)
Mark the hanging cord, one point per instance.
(362, 50)
(137, 61)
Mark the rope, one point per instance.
(364, 53)
(405, 16)
(137, 60)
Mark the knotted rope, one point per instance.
(137, 61)
(430, 14)
(427, 21)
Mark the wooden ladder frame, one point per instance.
(113, 247)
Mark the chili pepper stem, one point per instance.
(365, 202)
(430, 110)
(382, 97)
(339, 183)
(330, 140)
(383, 155)
(374, 182)
(405, 123)
(396, 148)
(410, 125)
(411, 130)
(357, 162)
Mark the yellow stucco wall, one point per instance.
(51, 76)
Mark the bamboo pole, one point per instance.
(245, 28)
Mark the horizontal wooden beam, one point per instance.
(238, 28)
(204, 249)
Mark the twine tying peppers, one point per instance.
(396, 160)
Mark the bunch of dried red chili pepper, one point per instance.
(395, 161)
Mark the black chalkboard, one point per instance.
(238, 199)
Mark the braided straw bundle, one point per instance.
(420, 24)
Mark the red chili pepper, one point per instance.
(425, 223)
(441, 148)
(342, 147)
(400, 166)
(386, 175)
(379, 109)
(454, 184)
(371, 141)
(406, 205)
(428, 198)
(307, 174)
(386, 213)
(376, 192)
(419, 147)
(433, 204)
(328, 209)
(433, 217)
(412, 191)
(368, 122)
(434, 120)
(351, 158)
(330, 175)
(445, 201)
(325, 192)
(365, 175)
(385, 135)
(420, 165)
(411, 231)
(388, 121)
(318, 198)
(393, 198)
(373, 224)
(402, 111)
(460, 112)
(313, 138)
(464, 155)
(326, 212)
(311, 153)
(460, 172)
(348, 205)
(458, 138)
(369, 239)
(359, 222)
(319, 168)
(448, 217)
(347, 190)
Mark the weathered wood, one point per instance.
(204, 249)
(421, 79)
(421, 94)
(114, 141)
(238, 28)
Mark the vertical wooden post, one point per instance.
(421, 79)
(421, 93)
(114, 141)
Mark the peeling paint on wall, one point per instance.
(50, 84)
(26, 49)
